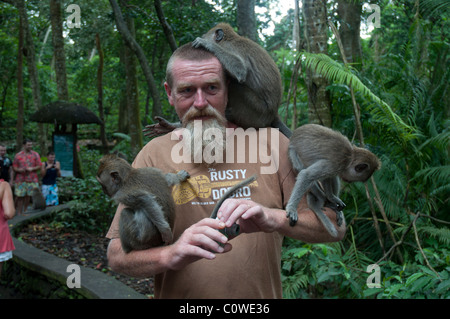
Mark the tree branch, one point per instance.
(165, 25)
(137, 49)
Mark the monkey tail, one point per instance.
(326, 223)
(230, 192)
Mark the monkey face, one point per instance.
(358, 172)
(198, 84)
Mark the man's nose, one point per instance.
(200, 101)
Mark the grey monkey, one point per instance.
(321, 154)
(38, 199)
(148, 217)
(234, 229)
(255, 88)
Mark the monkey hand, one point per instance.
(231, 61)
(162, 127)
(291, 213)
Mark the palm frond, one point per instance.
(438, 173)
(334, 71)
(434, 7)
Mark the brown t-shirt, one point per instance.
(252, 268)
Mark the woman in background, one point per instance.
(7, 211)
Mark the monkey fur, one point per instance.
(38, 199)
(234, 229)
(255, 88)
(321, 154)
(148, 217)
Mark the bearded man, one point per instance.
(196, 265)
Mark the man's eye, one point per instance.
(186, 90)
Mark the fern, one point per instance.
(441, 234)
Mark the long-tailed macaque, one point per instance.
(38, 199)
(148, 217)
(255, 89)
(233, 230)
(320, 154)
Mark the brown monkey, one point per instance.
(148, 218)
(233, 230)
(255, 89)
(38, 199)
(320, 154)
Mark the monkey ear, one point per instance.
(361, 167)
(115, 176)
(219, 35)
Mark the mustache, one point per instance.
(209, 111)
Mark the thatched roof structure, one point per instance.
(62, 112)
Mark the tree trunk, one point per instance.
(58, 50)
(349, 13)
(319, 106)
(33, 72)
(246, 19)
(131, 42)
(296, 30)
(100, 94)
(20, 112)
(165, 25)
(134, 129)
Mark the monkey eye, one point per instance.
(219, 35)
(361, 167)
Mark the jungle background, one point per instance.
(378, 71)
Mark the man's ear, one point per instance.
(169, 93)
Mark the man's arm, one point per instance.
(253, 217)
(196, 242)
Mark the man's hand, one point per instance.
(198, 241)
(250, 216)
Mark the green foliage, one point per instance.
(322, 271)
(92, 210)
(336, 72)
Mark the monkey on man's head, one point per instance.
(148, 217)
(321, 154)
(255, 88)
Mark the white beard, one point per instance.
(210, 132)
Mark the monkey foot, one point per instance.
(183, 175)
(339, 217)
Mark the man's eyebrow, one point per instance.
(184, 85)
